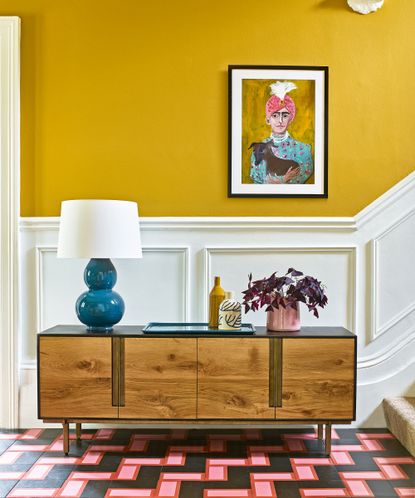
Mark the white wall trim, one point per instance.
(385, 200)
(405, 217)
(216, 223)
(42, 249)
(37, 223)
(388, 354)
(374, 289)
(186, 290)
(385, 354)
(9, 208)
(394, 320)
(28, 365)
(376, 329)
(350, 250)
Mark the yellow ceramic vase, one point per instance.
(216, 296)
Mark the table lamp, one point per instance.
(99, 230)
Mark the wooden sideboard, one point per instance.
(300, 377)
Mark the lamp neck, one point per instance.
(100, 274)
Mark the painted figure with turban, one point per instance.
(280, 158)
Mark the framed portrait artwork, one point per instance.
(278, 131)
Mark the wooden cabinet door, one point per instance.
(318, 379)
(160, 378)
(75, 378)
(233, 379)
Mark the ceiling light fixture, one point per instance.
(365, 6)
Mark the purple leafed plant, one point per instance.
(285, 291)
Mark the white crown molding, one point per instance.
(9, 209)
(343, 224)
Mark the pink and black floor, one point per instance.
(205, 464)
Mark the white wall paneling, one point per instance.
(59, 282)
(9, 214)
(335, 266)
(393, 274)
(364, 262)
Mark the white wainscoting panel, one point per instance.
(155, 286)
(394, 275)
(335, 266)
(59, 283)
(365, 263)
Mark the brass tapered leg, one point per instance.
(65, 437)
(78, 431)
(320, 431)
(328, 438)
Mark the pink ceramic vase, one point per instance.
(284, 319)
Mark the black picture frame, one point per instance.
(305, 146)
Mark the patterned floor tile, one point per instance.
(382, 488)
(6, 486)
(4, 444)
(209, 463)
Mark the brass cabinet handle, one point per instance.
(122, 373)
(272, 377)
(278, 372)
(275, 372)
(118, 371)
(115, 370)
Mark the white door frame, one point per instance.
(9, 216)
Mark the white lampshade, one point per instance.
(99, 229)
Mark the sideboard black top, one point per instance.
(136, 331)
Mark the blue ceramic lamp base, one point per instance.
(100, 307)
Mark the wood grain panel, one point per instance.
(233, 378)
(317, 379)
(160, 378)
(75, 377)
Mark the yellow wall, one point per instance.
(128, 99)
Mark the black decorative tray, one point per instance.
(160, 328)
